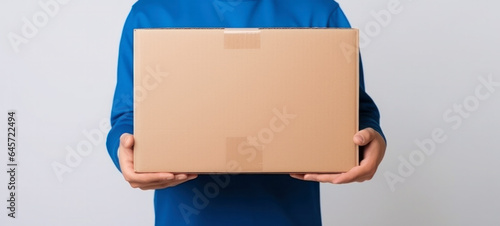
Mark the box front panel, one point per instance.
(288, 104)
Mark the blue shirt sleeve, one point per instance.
(122, 110)
(369, 116)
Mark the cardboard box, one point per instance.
(245, 100)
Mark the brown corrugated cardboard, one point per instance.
(245, 100)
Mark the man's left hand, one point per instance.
(374, 149)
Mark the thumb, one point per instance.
(127, 140)
(364, 136)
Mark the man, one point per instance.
(182, 199)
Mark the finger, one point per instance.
(363, 172)
(167, 184)
(314, 177)
(356, 174)
(374, 151)
(148, 178)
(321, 177)
(161, 186)
(297, 176)
(125, 158)
(364, 136)
(334, 178)
(372, 156)
(125, 153)
(127, 140)
(367, 168)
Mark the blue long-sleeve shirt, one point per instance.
(229, 199)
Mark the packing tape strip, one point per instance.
(241, 38)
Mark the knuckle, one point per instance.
(130, 178)
(134, 185)
(126, 177)
(370, 175)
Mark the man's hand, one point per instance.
(374, 150)
(145, 181)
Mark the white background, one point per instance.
(421, 62)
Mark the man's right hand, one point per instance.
(145, 181)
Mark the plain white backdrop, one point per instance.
(432, 67)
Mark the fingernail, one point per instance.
(360, 138)
(180, 177)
